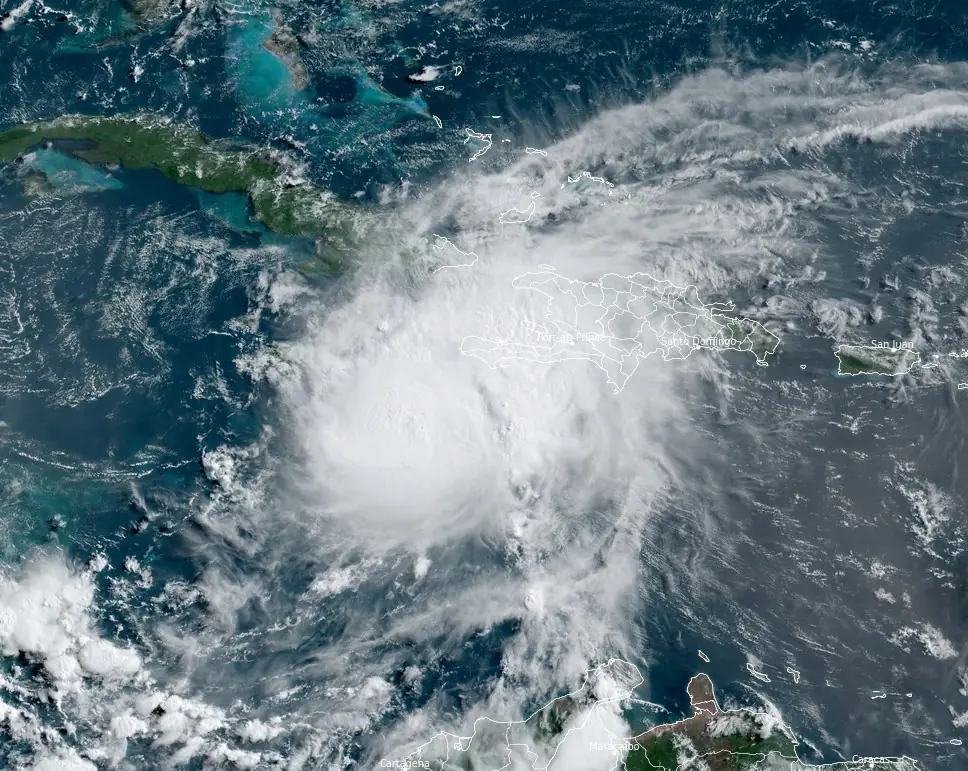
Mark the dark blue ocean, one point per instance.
(170, 376)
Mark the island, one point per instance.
(281, 198)
(149, 13)
(617, 322)
(582, 725)
(283, 44)
(888, 359)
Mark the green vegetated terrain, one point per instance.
(867, 360)
(732, 740)
(143, 142)
(280, 200)
(749, 336)
(694, 748)
(712, 739)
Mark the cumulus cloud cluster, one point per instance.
(48, 620)
(44, 616)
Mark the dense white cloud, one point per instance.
(44, 615)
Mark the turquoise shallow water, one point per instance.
(231, 208)
(137, 318)
(70, 175)
(262, 79)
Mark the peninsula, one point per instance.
(732, 740)
(711, 738)
(570, 726)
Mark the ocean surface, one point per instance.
(256, 517)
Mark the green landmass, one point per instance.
(145, 142)
(711, 739)
(866, 764)
(868, 360)
(733, 740)
(147, 13)
(184, 155)
(749, 336)
(282, 202)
